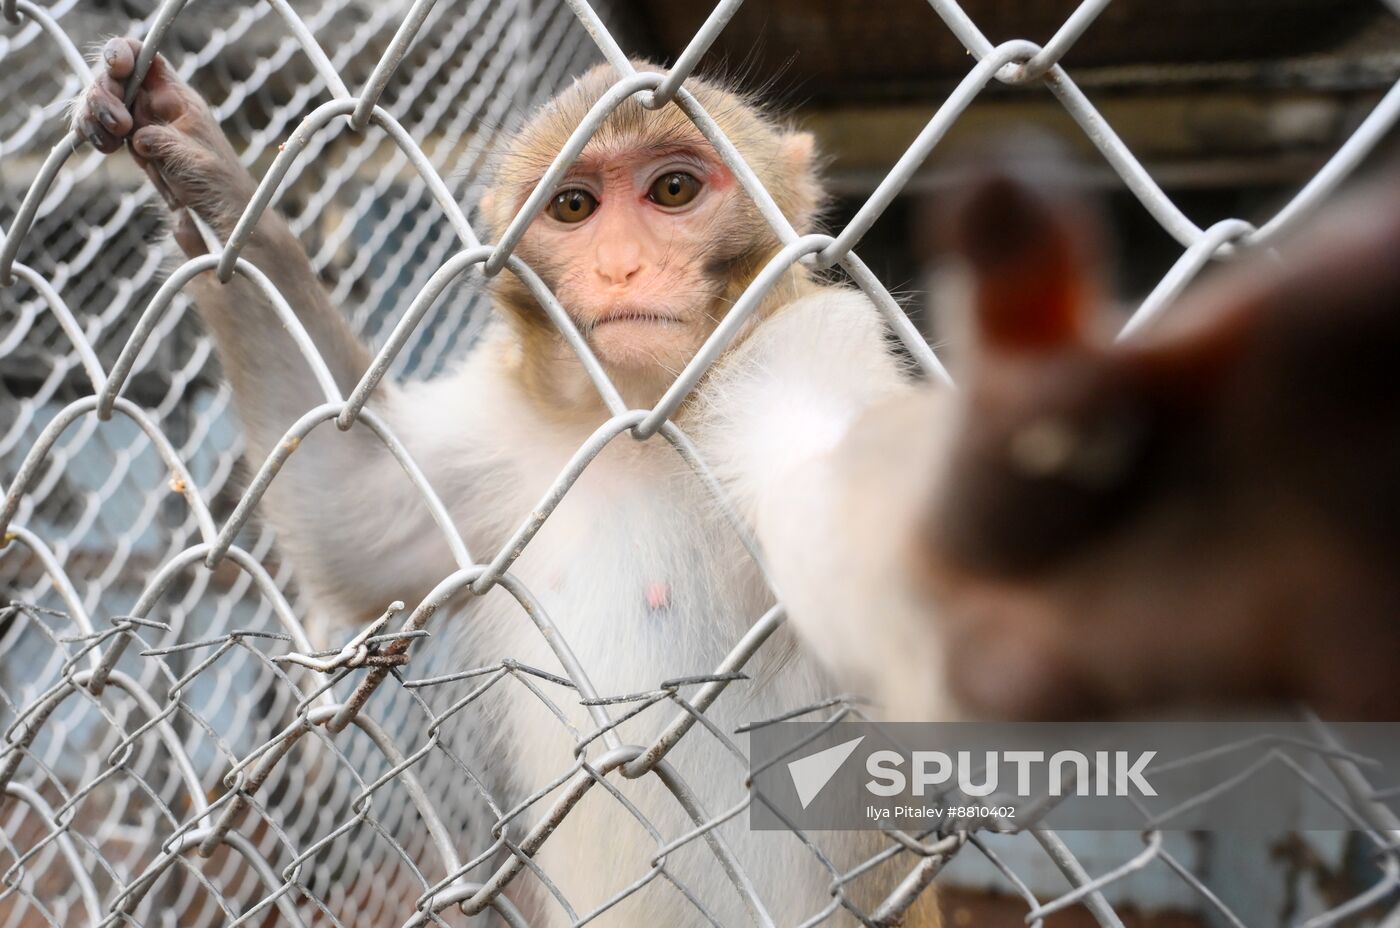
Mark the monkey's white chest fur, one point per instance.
(645, 581)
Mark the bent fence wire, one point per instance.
(155, 764)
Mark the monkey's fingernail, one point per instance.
(119, 60)
(106, 116)
(115, 57)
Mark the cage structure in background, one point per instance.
(105, 498)
(160, 766)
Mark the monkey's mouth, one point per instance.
(632, 315)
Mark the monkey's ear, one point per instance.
(1033, 261)
(799, 151)
(486, 209)
(797, 157)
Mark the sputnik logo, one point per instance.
(810, 774)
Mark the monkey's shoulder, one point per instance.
(790, 390)
(827, 323)
(829, 348)
(475, 432)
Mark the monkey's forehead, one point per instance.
(631, 127)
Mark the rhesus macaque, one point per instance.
(1204, 513)
(646, 243)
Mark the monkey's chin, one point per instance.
(637, 344)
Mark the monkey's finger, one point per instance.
(108, 110)
(167, 156)
(111, 86)
(119, 56)
(96, 135)
(157, 143)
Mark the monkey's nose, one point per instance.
(618, 275)
(617, 278)
(619, 262)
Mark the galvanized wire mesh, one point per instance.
(162, 765)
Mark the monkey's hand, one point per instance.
(172, 134)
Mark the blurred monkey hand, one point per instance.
(1204, 513)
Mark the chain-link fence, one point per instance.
(164, 763)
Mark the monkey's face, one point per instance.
(636, 244)
(648, 239)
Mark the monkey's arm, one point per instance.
(825, 444)
(343, 510)
(838, 533)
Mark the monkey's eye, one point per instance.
(573, 205)
(675, 189)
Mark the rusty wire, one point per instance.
(156, 796)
